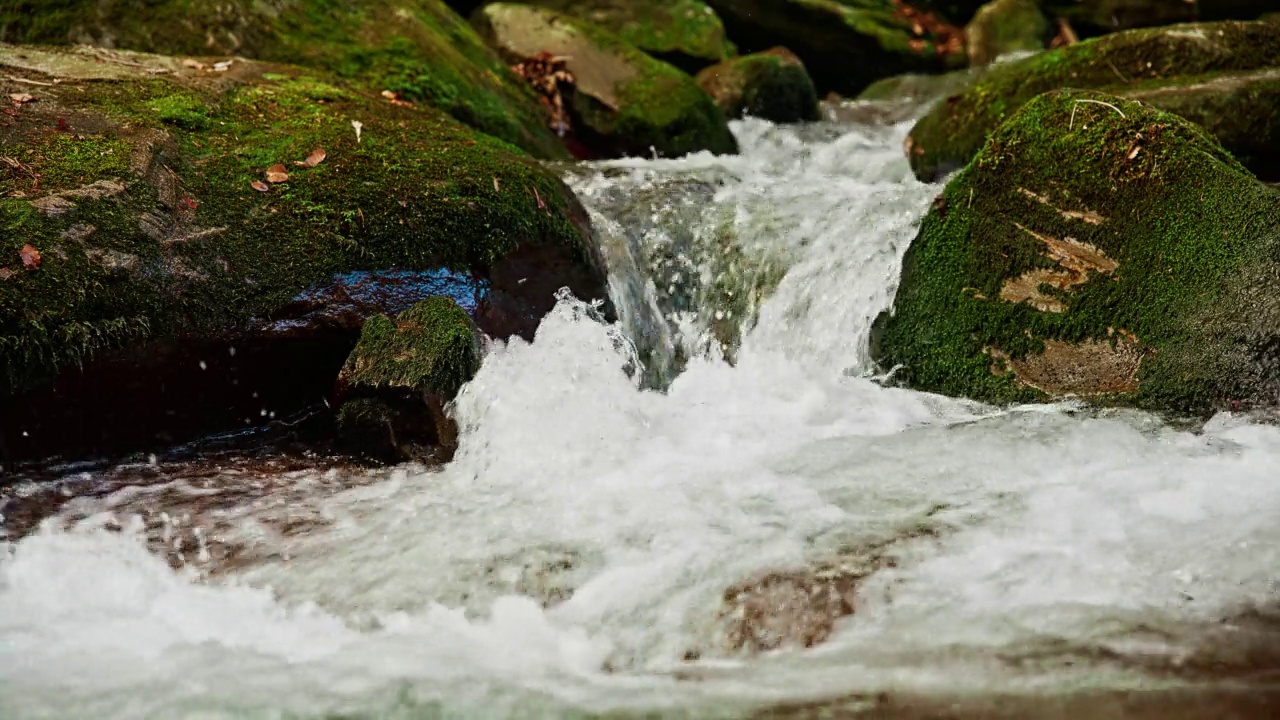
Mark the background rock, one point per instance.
(624, 102)
(1005, 26)
(772, 85)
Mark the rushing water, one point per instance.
(615, 481)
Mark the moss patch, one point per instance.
(953, 132)
(419, 48)
(1089, 219)
(430, 348)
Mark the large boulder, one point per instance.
(1096, 247)
(845, 45)
(420, 50)
(182, 222)
(1175, 64)
(624, 102)
(685, 33)
(1005, 26)
(772, 85)
(396, 382)
(1095, 17)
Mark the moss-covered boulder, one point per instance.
(150, 205)
(1095, 17)
(1096, 247)
(685, 33)
(772, 85)
(418, 49)
(1006, 26)
(402, 372)
(1135, 62)
(844, 45)
(624, 102)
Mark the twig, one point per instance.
(17, 79)
(1098, 102)
(1116, 70)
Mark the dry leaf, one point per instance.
(259, 186)
(358, 126)
(190, 202)
(30, 256)
(541, 204)
(223, 66)
(1134, 152)
(495, 185)
(5, 273)
(193, 64)
(20, 98)
(277, 174)
(316, 157)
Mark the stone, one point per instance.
(772, 85)
(1003, 27)
(1100, 248)
(624, 102)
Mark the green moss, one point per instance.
(1182, 219)
(430, 348)
(189, 247)
(181, 110)
(419, 48)
(953, 132)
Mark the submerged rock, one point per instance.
(1005, 26)
(624, 102)
(685, 33)
(1096, 247)
(182, 215)
(845, 45)
(397, 380)
(1149, 63)
(419, 50)
(772, 85)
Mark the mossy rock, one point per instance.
(1005, 26)
(420, 49)
(1096, 247)
(846, 45)
(685, 33)
(772, 85)
(401, 374)
(1096, 17)
(131, 176)
(1122, 63)
(913, 86)
(624, 102)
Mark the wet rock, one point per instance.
(397, 380)
(1150, 63)
(1095, 17)
(772, 85)
(1003, 27)
(788, 609)
(175, 299)
(624, 102)
(1096, 247)
(921, 88)
(685, 33)
(846, 45)
(419, 50)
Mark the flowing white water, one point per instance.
(573, 559)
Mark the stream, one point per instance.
(615, 481)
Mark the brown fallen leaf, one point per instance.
(30, 256)
(193, 64)
(20, 98)
(495, 185)
(277, 174)
(316, 157)
(5, 273)
(189, 202)
(259, 186)
(542, 205)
